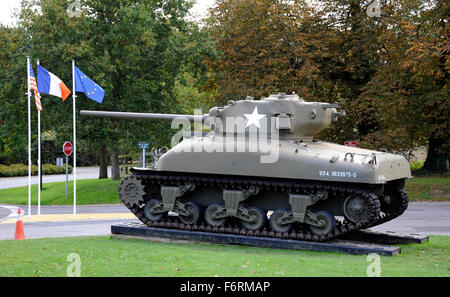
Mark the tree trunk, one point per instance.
(103, 157)
(437, 159)
(115, 170)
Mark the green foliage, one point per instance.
(190, 97)
(135, 50)
(22, 170)
(416, 165)
(128, 47)
(13, 113)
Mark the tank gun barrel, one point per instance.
(140, 116)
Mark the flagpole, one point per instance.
(39, 158)
(74, 144)
(29, 136)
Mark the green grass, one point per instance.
(428, 188)
(103, 256)
(89, 191)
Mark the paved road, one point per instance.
(62, 229)
(22, 181)
(420, 218)
(65, 209)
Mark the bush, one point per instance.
(22, 170)
(416, 165)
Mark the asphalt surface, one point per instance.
(420, 218)
(22, 181)
(68, 209)
(61, 228)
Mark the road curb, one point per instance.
(70, 218)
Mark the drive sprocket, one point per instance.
(131, 191)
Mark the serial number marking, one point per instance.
(337, 173)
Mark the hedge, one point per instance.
(22, 170)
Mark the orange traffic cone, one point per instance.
(20, 235)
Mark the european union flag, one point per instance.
(86, 85)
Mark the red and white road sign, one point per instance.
(67, 148)
(351, 143)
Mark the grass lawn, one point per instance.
(103, 256)
(89, 191)
(428, 188)
(104, 191)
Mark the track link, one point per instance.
(390, 212)
(151, 179)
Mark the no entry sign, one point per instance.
(351, 143)
(67, 148)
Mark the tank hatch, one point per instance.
(283, 96)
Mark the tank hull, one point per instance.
(318, 189)
(308, 160)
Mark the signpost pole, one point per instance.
(67, 150)
(39, 160)
(29, 137)
(74, 144)
(67, 176)
(143, 158)
(143, 146)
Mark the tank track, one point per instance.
(342, 227)
(394, 210)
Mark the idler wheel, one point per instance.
(210, 219)
(152, 211)
(276, 223)
(258, 217)
(355, 209)
(195, 212)
(327, 223)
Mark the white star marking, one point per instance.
(253, 118)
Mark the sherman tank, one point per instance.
(260, 172)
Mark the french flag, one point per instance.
(48, 83)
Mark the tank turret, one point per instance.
(289, 115)
(260, 162)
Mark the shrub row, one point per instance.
(22, 170)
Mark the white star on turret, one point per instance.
(253, 118)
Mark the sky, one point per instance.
(199, 10)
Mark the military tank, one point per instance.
(260, 172)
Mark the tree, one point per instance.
(13, 149)
(389, 72)
(265, 46)
(430, 57)
(324, 53)
(412, 83)
(133, 49)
